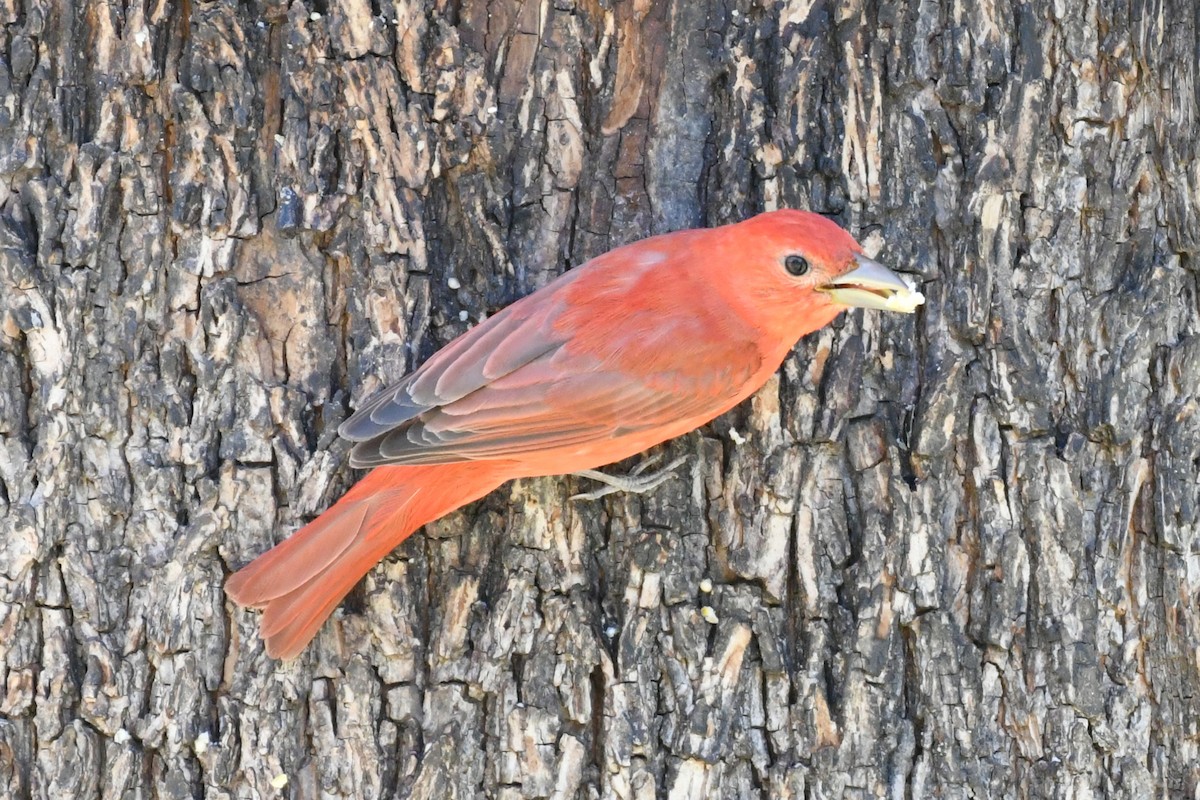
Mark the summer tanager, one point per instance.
(634, 347)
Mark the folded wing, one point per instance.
(571, 366)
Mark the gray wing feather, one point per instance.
(504, 420)
(506, 342)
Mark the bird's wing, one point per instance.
(505, 342)
(514, 416)
(555, 370)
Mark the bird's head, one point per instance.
(805, 270)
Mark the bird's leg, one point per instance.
(635, 482)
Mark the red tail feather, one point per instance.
(299, 582)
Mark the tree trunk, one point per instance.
(947, 554)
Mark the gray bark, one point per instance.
(950, 554)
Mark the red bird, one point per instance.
(639, 345)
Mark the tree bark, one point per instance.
(950, 554)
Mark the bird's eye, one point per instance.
(796, 265)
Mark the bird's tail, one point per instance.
(300, 581)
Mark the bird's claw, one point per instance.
(635, 482)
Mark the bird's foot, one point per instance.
(635, 482)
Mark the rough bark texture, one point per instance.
(950, 554)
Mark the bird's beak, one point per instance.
(872, 285)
